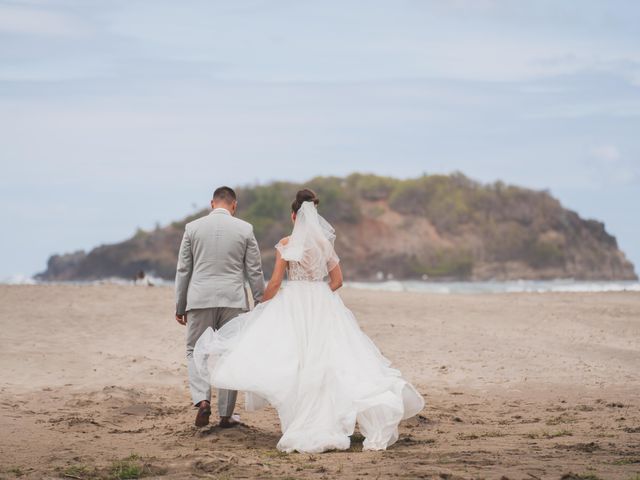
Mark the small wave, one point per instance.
(149, 280)
(389, 286)
(517, 286)
(19, 279)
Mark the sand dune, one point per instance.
(516, 385)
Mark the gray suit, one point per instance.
(216, 254)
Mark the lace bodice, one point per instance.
(296, 271)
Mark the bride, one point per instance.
(302, 351)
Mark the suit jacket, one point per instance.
(216, 254)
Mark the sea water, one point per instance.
(514, 286)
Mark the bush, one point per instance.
(447, 263)
(265, 206)
(442, 199)
(338, 203)
(372, 187)
(542, 254)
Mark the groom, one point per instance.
(216, 253)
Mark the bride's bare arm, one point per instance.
(276, 278)
(335, 278)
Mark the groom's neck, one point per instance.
(227, 207)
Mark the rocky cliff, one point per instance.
(434, 226)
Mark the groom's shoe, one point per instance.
(204, 412)
(228, 422)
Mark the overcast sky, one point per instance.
(120, 114)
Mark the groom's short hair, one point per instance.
(224, 194)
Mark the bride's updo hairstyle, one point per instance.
(304, 195)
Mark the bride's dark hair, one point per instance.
(304, 195)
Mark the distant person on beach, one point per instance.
(301, 349)
(216, 254)
(142, 279)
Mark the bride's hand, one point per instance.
(335, 278)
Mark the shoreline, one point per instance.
(559, 285)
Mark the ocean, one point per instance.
(515, 286)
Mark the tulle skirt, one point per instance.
(304, 353)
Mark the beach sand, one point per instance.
(531, 386)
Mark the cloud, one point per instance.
(609, 167)
(56, 70)
(23, 20)
(634, 78)
(473, 4)
(594, 108)
(606, 153)
(459, 39)
(476, 40)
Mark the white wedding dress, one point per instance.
(304, 353)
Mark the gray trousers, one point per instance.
(198, 320)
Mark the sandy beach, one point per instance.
(517, 386)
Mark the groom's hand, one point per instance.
(181, 319)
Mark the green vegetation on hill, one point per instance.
(435, 226)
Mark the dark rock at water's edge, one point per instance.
(438, 227)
